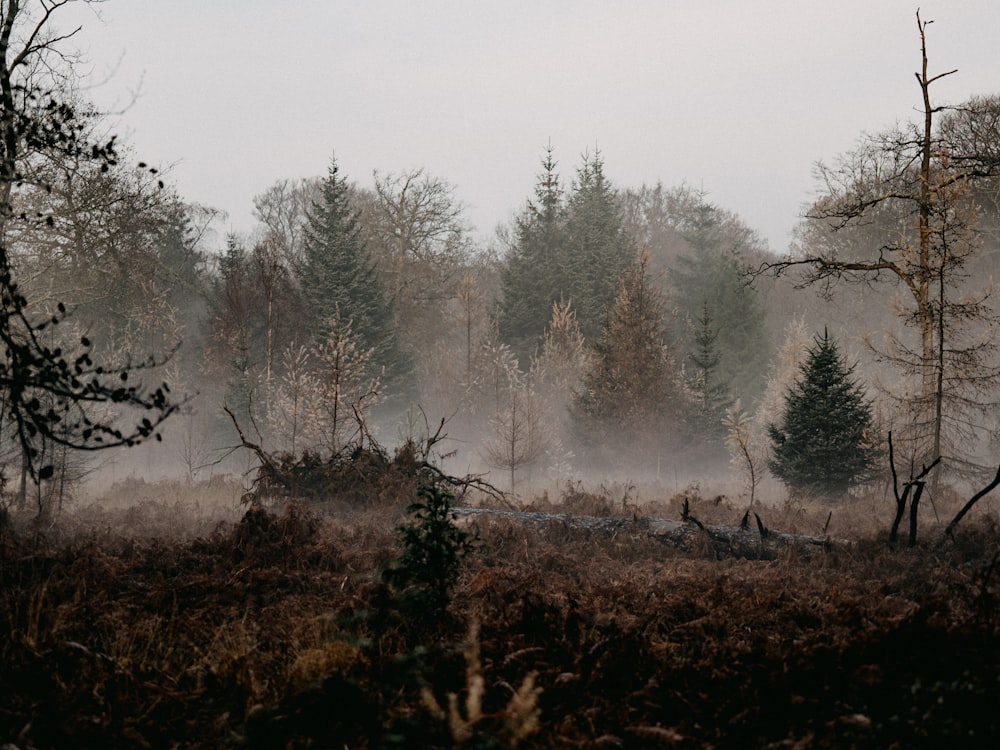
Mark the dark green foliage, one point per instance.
(531, 274)
(339, 278)
(710, 392)
(433, 549)
(711, 276)
(599, 251)
(575, 251)
(824, 443)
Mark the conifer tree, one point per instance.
(712, 274)
(631, 390)
(599, 251)
(534, 267)
(575, 250)
(340, 282)
(824, 443)
(710, 392)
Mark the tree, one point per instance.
(746, 454)
(710, 393)
(575, 250)
(557, 372)
(53, 393)
(418, 237)
(340, 281)
(631, 398)
(519, 435)
(714, 271)
(535, 266)
(282, 209)
(345, 388)
(824, 442)
(599, 252)
(292, 412)
(897, 208)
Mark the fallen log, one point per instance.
(727, 541)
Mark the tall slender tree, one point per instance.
(632, 390)
(896, 208)
(339, 279)
(710, 393)
(535, 266)
(599, 252)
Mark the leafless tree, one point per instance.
(416, 231)
(897, 210)
(281, 209)
(518, 427)
(52, 395)
(345, 388)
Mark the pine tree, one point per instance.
(534, 267)
(575, 250)
(710, 393)
(712, 274)
(631, 390)
(340, 282)
(600, 253)
(824, 442)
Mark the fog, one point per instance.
(570, 294)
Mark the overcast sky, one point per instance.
(737, 97)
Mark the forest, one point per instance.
(244, 478)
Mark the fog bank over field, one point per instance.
(612, 328)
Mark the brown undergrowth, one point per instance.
(275, 630)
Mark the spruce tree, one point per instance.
(575, 250)
(630, 393)
(534, 268)
(712, 273)
(340, 281)
(600, 253)
(824, 442)
(710, 393)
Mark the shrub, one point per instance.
(433, 549)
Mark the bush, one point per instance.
(433, 549)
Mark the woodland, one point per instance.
(621, 476)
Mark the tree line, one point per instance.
(639, 329)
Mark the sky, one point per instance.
(737, 98)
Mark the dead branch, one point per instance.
(968, 506)
(915, 482)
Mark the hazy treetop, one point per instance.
(724, 94)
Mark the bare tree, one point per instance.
(747, 454)
(291, 412)
(345, 387)
(52, 395)
(416, 231)
(518, 433)
(282, 210)
(896, 209)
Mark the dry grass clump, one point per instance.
(274, 629)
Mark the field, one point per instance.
(169, 616)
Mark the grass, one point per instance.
(185, 621)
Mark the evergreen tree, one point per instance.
(534, 268)
(824, 442)
(340, 282)
(600, 253)
(631, 390)
(712, 274)
(710, 392)
(575, 250)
